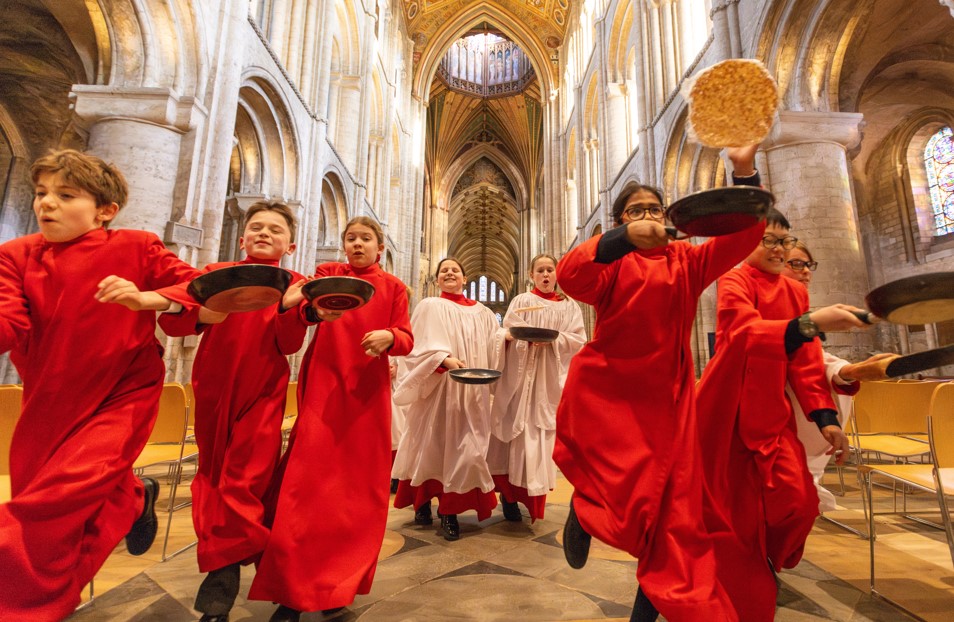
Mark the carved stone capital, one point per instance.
(793, 127)
(157, 105)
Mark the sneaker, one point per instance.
(143, 531)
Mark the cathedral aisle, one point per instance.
(505, 571)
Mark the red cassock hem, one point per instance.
(448, 502)
(535, 504)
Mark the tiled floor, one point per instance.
(506, 571)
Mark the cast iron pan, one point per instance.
(913, 363)
(719, 211)
(338, 293)
(245, 287)
(534, 334)
(474, 375)
(922, 299)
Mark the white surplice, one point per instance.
(447, 422)
(526, 397)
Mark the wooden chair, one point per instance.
(11, 397)
(936, 477)
(291, 412)
(168, 447)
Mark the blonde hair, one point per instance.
(87, 172)
(368, 222)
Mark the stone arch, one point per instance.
(349, 45)
(510, 25)
(268, 128)
(335, 207)
(619, 42)
(687, 166)
(460, 165)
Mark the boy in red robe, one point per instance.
(239, 380)
(761, 501)
(330, 502)
(92, 374)
(626, 431)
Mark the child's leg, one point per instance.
(791, 502)
(68, 515)
(228, 493)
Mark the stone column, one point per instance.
(138, 130)
(616, 116)
(347, 121)
(807, 161)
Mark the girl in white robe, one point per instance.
(444, 447)
(526, 397)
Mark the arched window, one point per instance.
(482, 284)
(939, 163)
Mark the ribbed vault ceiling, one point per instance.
(483, 227)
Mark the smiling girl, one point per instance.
(443, 451)
(332, 496)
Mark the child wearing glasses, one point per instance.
(762, 501)
(626, 433)
(843, 377)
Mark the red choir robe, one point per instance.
(239, 379)
(626, 429)
(763, 499)
(92, 375)
(331, 498)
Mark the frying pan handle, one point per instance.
(865, 316)
(674, 233)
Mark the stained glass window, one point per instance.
(482, 283)
(939, 162)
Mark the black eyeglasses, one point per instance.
(788, 242)
(798, 265)
(639, 213)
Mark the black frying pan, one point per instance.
(475, 375)
(338, 293)
(719, 211)
(245, 287)
(534, 334)
(922, 299)
(913, 363)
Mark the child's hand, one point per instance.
(120, 291)
(838, 441)
(208, 316)
(874, 368)
(743, 160)
(325, 315)
(452, 363)
(377, 341)
(646, 234)
(293, 295)
(838, 317)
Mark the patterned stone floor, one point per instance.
(507, 571)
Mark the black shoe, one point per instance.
(285, 614)
(394, 486)
(143, 532)
(576, 542)
(450, 527)
(218, 591)
(511, 510)
(643, 610)
(423, 515)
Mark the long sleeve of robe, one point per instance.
(331, 488)
(444, 447)
(239, 380)
(523, 415)
(763, 500)
(92, 374)
(626, 432)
